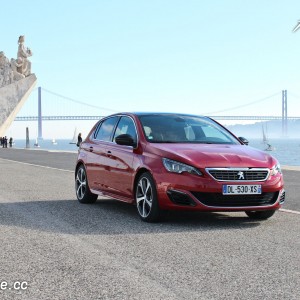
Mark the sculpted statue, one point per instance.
(15, 65)
(5, 70)
(15, 69)
(23, 54)
(3, 59)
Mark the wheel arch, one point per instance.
(78, 164)
(137, 175)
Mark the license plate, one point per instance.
(241, 189)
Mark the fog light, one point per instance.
(282, 197)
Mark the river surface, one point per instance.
(287, 151)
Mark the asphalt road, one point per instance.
(67, 160)
(53, 159)
(65, 250)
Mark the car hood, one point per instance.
(214, 155)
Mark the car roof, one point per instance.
(159, 114)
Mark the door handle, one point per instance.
(109, 153)
(91, 149)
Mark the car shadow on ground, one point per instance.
(107, 217)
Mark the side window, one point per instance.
(189, 132)
(105, 131)
(126, 126)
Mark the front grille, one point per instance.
(245, 174)
(219, 200)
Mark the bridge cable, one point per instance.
(294, 95)
(77, 101)
(244, 105)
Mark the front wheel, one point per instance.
(260, 215)
(146, 199)
(83, 193)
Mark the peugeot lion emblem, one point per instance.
(241, 175)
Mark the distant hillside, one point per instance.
(272, 128)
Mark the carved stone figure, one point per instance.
(5, 70)
(16, 84)
(15, 64)
(2, 63)
(24, 53)
(16, 69)
(3, 59)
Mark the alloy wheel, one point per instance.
(80, 183)
(144, 197)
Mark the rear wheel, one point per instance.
(146, 199)
(260, 215)
(83, 193)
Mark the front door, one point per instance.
(96, 163)
(119, 171)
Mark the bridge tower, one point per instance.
(284, 119)
(40, 133)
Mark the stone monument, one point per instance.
(16, 84)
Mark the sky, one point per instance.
(200, 57)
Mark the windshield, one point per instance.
(168, 128)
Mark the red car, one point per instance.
(165, 161)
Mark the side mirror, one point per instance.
(243, 140)
(126, 140)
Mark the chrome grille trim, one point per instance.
(231, 174)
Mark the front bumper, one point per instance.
(191, 192)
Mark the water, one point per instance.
(287, 151)
(62, 145)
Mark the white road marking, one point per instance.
(290, 211)
(29, 164)
(291, 168)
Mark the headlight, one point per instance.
(275, 170)
(177, 167)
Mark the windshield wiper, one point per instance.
(166, 142)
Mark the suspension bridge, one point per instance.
(39, 117)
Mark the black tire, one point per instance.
(146, 199)
(83, 193)
(260, 215)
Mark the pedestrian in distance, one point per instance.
(10, 142)
(5, 142)
(79, 140)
